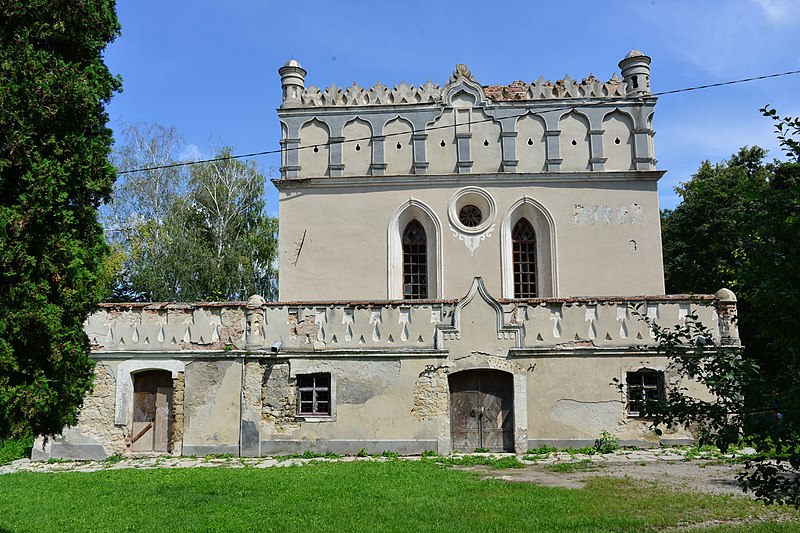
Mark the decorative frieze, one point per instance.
(553, 323)
(430, 92)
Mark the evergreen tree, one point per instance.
(54, 173)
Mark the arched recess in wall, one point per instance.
(652, 150)
(398, 151)
(408, 211)
(440, 146)
(314, 154)
(574, 142)
(284, 135)
(618, 141)
(531, 144)
(357, 147)
(486, 150)
(123, 401)
(544, 228)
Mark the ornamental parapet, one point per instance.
(635, 81)
(430, 129)
(256, 326)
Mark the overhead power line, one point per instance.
(564, 108)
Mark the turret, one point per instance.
(636, 72)
(293, 78)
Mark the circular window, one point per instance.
(471, 210)
(470, 215)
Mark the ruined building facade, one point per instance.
(461, 266)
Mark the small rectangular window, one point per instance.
(644, 387)
(314, 395)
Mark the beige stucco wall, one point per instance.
(606, 237)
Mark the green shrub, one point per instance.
(606, 443)
(13, 449)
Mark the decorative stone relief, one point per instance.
(472, 241)
(590, 215)
(471, 213)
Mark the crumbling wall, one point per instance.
(178, 412)
(431, 395)
(278, 399)
(97, 414)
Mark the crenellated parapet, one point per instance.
(464, 127)
(553, 324)
(404, 93)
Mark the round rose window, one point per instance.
(470, 215)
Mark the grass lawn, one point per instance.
(356, 496)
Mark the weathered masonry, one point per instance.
(461, 267)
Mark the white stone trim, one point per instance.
(123, 406)
(410, 209)
(546, 253)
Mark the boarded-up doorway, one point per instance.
(482, 410)
(152, 411)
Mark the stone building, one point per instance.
(461, 266)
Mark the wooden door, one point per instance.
(481, 410)
(152, 411)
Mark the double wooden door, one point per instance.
(482, 411)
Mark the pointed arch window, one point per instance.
(415, 262)
(524, 250)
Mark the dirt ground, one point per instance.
(678, 475)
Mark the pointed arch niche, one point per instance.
(357, 147)
(618, 141)
(544, 229)
(574, 142)
(409, 211)
(531, 142)
(313, 155)
(398, 150)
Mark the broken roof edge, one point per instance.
(634, 82)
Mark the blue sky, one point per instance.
(210, 68)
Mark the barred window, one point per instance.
(314, 394)
(524, 255)
(415, 262)
(644, 387)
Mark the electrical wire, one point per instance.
(433, 128)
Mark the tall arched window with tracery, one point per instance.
(415, 262)
(524, 249)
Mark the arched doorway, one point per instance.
(152, 411)
(482, 410)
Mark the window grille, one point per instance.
(470, 216)
(314, 394)
(524, 255)
(415, 262)
(644, 387)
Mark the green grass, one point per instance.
(578, 466)
(356, 496)
(509, 461)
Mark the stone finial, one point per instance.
(256, 300)
(728, 323)
(461, 71)
(636, 73)
(726, 295)
(293, 79)
(254, 322)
